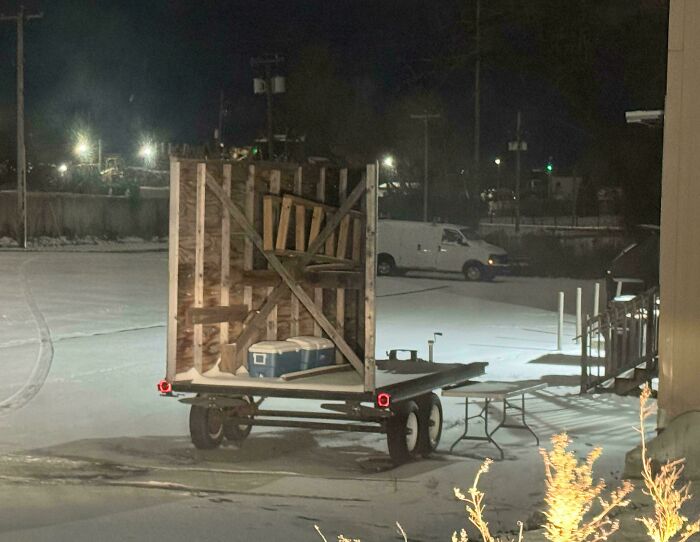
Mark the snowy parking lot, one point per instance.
(97, 451)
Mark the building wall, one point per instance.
(679, 386)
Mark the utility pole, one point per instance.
(20, 18)
(477, 100)
(270, 87)
(425, 117)
(518, 139)
(220, 132)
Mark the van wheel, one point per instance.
(429, 423)
(385, 265)
(206, 427)
(473, 271)
(402, 432)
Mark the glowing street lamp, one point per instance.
(147, 151)
(388, 161)
(497, 161)
(62, 168)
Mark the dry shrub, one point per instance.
(474, 506)
(570, 493)
(663, 489)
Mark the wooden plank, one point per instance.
(328, 369)
(300, 244)
(370, 276)
(268, 223)
(217, 315)
(316, 221)
(199, 259)
(283, 226)
(225, 256)
(173, 265)
(341, 252)
(312, 277)
(275, 188)
(348, 264)
(356, 240)
(343, 233)
(248, 246)
(288, 281)
(300, 233)
(312, 204)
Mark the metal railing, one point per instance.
(623, 339)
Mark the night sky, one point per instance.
(128, 68)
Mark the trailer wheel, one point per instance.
(402, 432)
(430, 423)
(206, 427)
(237, 432)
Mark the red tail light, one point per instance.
(165, 387)
(383, 400)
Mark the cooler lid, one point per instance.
(312, 343)
(273, 347)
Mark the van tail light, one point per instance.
(165, 387)
(383, 400)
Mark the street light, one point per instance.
(147, 151)
(497, 161)
(388, 161)
(62, 168)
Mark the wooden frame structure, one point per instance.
(268, 251)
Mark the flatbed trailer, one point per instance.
(267, 251)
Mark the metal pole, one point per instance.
(268, 93)
(477, 99)
(560, 322)
(21, 149)
(517, 173)
(578, 315)
(99, 156)
(431, 344)
(425, 169)
(596, 299)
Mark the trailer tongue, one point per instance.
(236, 279)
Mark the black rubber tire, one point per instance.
(473, 271)
(398, 429)
(235, 432)
(386, 265)
(206, 427)
(429, 416)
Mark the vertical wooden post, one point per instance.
(173, 264)
(300, 230)
(320, 196)
(275, 188)
(199, 261)
(370, 276)
(342, 245)
(248, 245)
(225, 255)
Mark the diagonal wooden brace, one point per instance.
(288, 281)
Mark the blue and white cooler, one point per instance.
(273, 358)
(315, 351)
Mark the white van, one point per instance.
(405, 246)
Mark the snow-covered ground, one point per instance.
(97, 454)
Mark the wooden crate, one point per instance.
(267, 251)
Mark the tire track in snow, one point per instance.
(44, 357)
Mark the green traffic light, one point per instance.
(550, 167)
